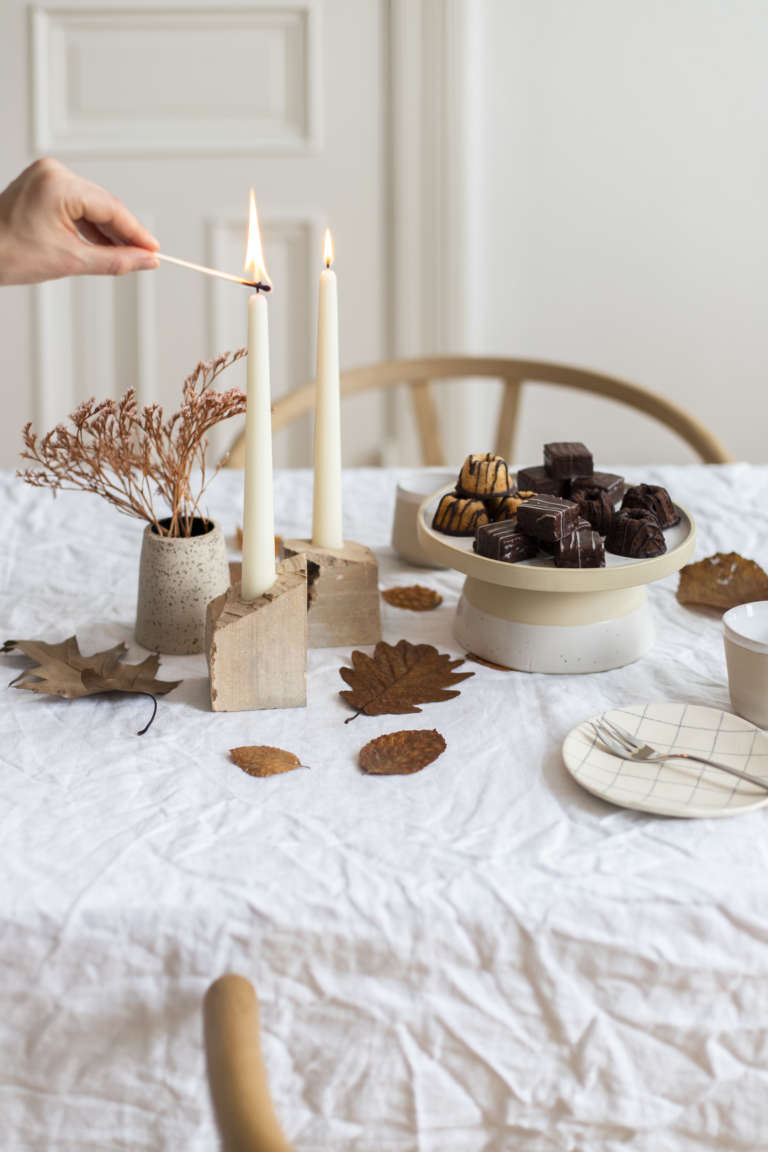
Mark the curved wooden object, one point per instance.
(236, 1072)
(420, 373)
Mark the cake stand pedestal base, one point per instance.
(343, 586)
(257, 650)
(566, 632)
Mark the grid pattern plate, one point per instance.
(673, 788)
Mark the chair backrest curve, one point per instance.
(419, 373)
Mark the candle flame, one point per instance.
(328, 248)
(254, 256)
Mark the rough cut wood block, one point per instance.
(257, 651)
(343, 593)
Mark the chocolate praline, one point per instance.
(567, 458)
(504, 541)
(581, 549)
(537, 479)
(608, 482)
(550, 545)
(547, 517)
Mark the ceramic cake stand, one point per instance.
(538, 618)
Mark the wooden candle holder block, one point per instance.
(257, 650)
(343, 586)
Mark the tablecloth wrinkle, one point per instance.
(478, 958)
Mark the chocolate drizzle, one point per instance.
(580, 549)
(635, 533)
(547, 518)
(654, 499)
(504, 541)
(484, 476)
(595, 505)
(458, 515)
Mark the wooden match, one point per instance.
(260, 285)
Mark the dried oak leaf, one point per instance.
(401, 753)
(722, 581)
(414, 597)
(398, 677)
(62, 670)
(262, 760)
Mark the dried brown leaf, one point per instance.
(414, 597)
(62, 670)
(262, 760)
(722, 581)
(401, 753)
(398, 677)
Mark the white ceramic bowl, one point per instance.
(747, 626)
(411, 492)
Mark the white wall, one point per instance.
(620, 203)
(178, 107)
(576, 180)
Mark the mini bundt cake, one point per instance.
(484, 476)
(458, 515)
(595, 505)
(636, 533)
(652, 498)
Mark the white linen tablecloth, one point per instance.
(478, 957)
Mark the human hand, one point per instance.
(54, 224)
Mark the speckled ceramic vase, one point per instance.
(178, 578)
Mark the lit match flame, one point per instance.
(328, 248)
(254, 256)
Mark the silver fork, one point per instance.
(621, 743)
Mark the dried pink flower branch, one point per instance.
(132, 456)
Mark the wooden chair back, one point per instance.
(420, 374)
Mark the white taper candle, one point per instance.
(326, 512)
(259, 572)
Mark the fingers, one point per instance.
(113, 260)
(89, 202)
(91, 233)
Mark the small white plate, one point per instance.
(673, 788)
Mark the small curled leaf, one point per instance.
(263, 760)
(414, 597)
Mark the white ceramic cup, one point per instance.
(410, 493)
(745, 634)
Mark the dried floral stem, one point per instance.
(133, 457)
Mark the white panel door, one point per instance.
(179, 108)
